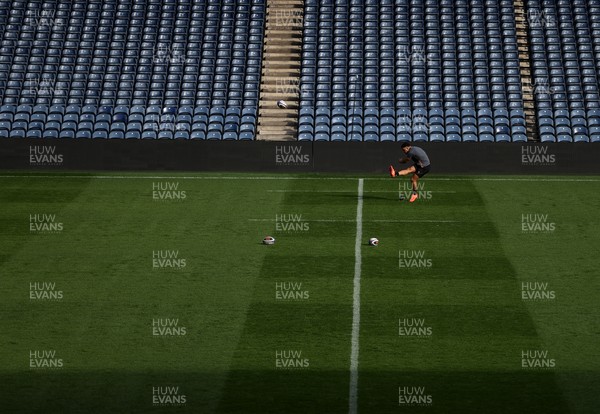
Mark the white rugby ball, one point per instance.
(373, 241)
(269, 240)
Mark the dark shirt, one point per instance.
(418, 156)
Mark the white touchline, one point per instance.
(350, 191)
(192, 177)
(370, 221)
(352, 409)
(532, 179)
(174, 177)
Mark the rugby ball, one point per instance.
(269, 240)
(282, 104)
(373, 241)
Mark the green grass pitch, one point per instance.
(152, 293)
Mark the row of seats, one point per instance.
(389, 124)
(131, 53)
(418, 55)
(566, 68)
(124, 122)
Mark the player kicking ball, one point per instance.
(418, 170)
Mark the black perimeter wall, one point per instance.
(287, 157)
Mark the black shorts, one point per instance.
(421, 171)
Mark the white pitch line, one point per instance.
(348, 191)
(353, 399)
(533, 180)
(369, 221)
(187, 177)
(320, 191)
(174, 177)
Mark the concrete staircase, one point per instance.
(527, 84)
(280, 78)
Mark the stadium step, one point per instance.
(277, 135)
(527, 84)
(277, 122)
(280, 78)
(275, 63)
(281, 71)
